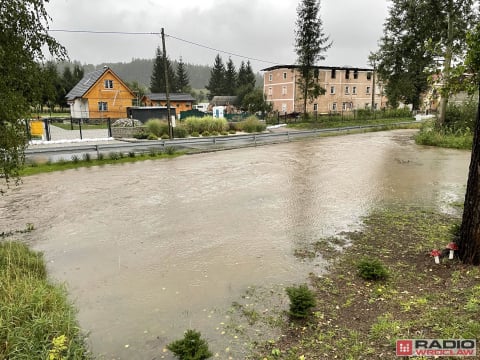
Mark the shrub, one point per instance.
(205, 133)
(170, 150)
(131, 154)
(224, 133)
(152, 152)
(113, 156)
(251, 125)
(87, 157)
(180, 132)
(195, 134)
(157, 127)
(191, 347)
(214, 133)
(100, 156)
(75, 159)
(207, 123)
(165, 137)
(302, 299)
(141, 135)
(232, 131)
(372, 269)
(152, 137)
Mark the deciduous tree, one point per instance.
(23, 38)
(469, 242)
(310, 45)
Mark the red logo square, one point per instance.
(404, 347)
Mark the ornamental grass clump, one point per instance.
(302, 300)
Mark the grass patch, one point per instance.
(431, 136)
(112, 158)
(36, 320)
(357, 318)
(326, 123)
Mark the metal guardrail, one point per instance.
(201, 143)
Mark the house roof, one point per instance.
(276, 67)
(173, 97)
(85, 84)
(224, 100)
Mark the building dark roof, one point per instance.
(223, 100)
(276, 67)
(173, 97)
(85, 84)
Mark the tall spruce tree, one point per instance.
(230, 78)
(183, 82)
(417, 35)
(216, 84)
(310, 45)
(23, 38)
(245, 81)
(157, 80)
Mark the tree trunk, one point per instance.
(446, 66)
(469, 243)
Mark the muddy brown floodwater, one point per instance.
(152, 248)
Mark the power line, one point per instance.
(168, 35)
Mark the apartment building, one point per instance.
(347, 89)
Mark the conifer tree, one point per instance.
(216, 84)
(183, 82)
(230, 78)
(157, 81)
(310, 45)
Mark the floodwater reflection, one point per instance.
(150, 249)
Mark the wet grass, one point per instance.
(36, 319)
(359, 319)
(325, 123)
(85, 161)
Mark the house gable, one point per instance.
(101, 94)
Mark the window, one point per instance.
(334, 106)
(368, 89)
(369, 75)
(284, 90)
(355, 74)
(347, 74)
(347, 90)
(102, 106)
(332, 90)
(315, 107)
(270, 77)
(284, 108)
(354, 90)
(344, 106)
(284, 76)
(333, 75)
(270, 91)
(108, 84)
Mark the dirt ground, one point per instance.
(359, 319)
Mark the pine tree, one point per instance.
(230, 78)
(216, 84)
(310, 44)
(245, 82)
(157, 81)
(183, 82)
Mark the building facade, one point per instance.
(101, 94)
(347, 89)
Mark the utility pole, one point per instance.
(167, 87)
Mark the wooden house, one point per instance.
(101, 94)
(179, 101)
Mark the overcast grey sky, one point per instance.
(254, 29)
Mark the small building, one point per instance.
(347, 89)
(101, 94)
(145, 113)
(229, 104)
(180, 101)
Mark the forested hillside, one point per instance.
(140, 70)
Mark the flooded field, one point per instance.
(153, 248)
